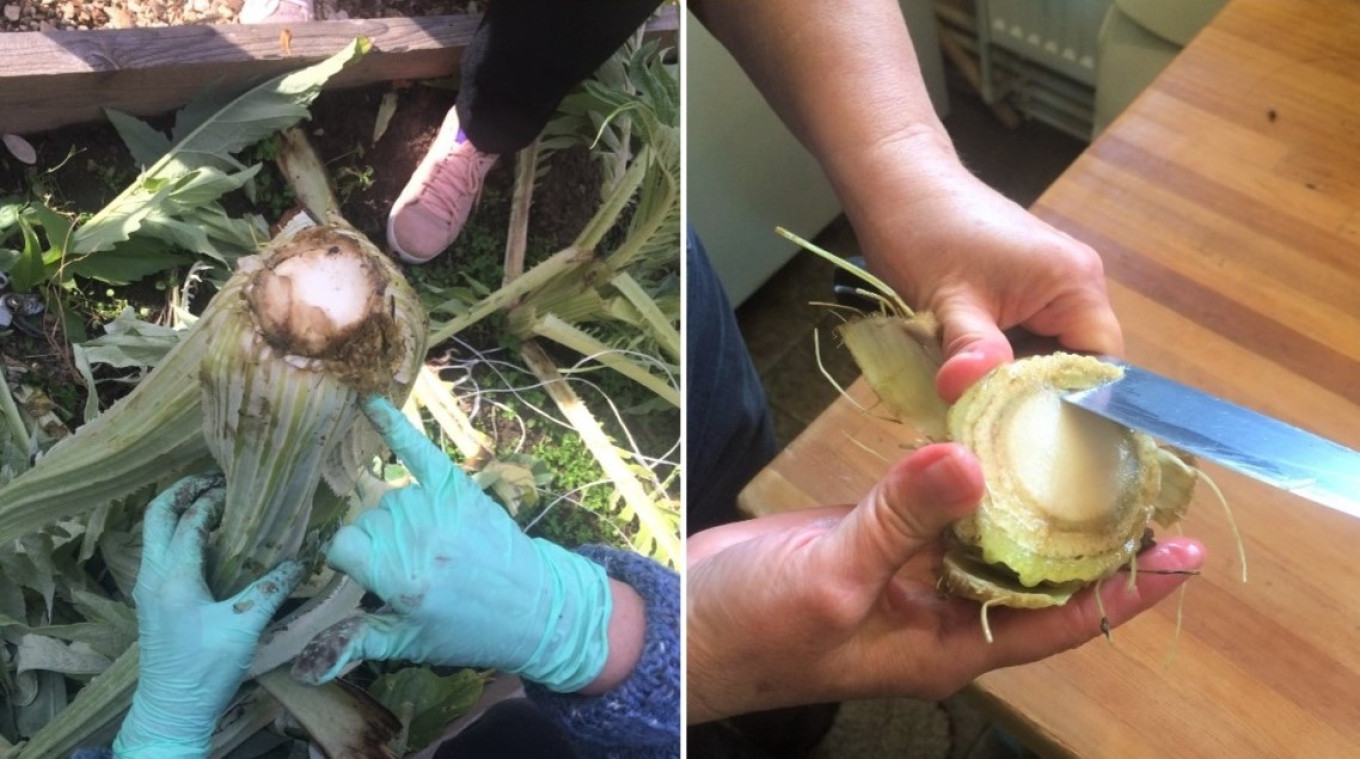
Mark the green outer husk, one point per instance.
(277, 426)
(899, 358)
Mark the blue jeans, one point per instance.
(729, 436)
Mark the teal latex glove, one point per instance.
(464, 585)
(194, 652)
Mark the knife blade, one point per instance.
(1240, 439)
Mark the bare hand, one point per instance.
(982, 264)
(840, 602)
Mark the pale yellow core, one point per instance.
(1072, 464)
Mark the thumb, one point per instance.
(905, 512)
(973, 346)
(368, 636)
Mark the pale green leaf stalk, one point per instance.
(309, 329)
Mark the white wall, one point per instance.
(746, 173)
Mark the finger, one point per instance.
(259, 601)
(1025, 636)
(423, 458)
(1082, 322)
(191, 536)
(162, 514)
(371, 636)
(973, 346)
(905, 512)
(351, 552)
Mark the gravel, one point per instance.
(51, 15)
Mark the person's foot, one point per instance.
(276, 11)
(436, 203)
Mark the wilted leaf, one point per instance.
(47, 701)
(122, 554)
(386, 109)
(39, 652)
(12, 610)
(129, 341)
(513, 484)
(343, 720)
(104, 639)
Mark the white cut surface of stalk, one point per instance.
(1071, 463)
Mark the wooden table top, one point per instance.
(1226, 205)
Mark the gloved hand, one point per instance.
(464, 585)
(194, 652)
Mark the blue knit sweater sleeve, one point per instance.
(641, 716)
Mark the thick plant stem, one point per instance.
(667, 336)
(518, 240)
(561, 332)
(600, 446)
(431, 392)
(533, 279)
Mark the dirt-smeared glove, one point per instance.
(194, 651)
(463, 584)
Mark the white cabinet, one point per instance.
(746, 174)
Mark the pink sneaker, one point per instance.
(432, 210)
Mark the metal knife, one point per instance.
(1238, 438)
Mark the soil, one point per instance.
(368, 176)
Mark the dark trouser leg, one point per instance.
(514, 729)
(527, 55)
(728, 433)
(728, 439)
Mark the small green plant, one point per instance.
(350, 180)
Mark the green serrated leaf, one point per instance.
(146, 144)
(46, 654)
(56, 226)
(10, 207)
(130, 261)
(130, 342)
(258, 113)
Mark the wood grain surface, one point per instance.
(1226, 205)
(51, 79)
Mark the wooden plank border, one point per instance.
(52, 79)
